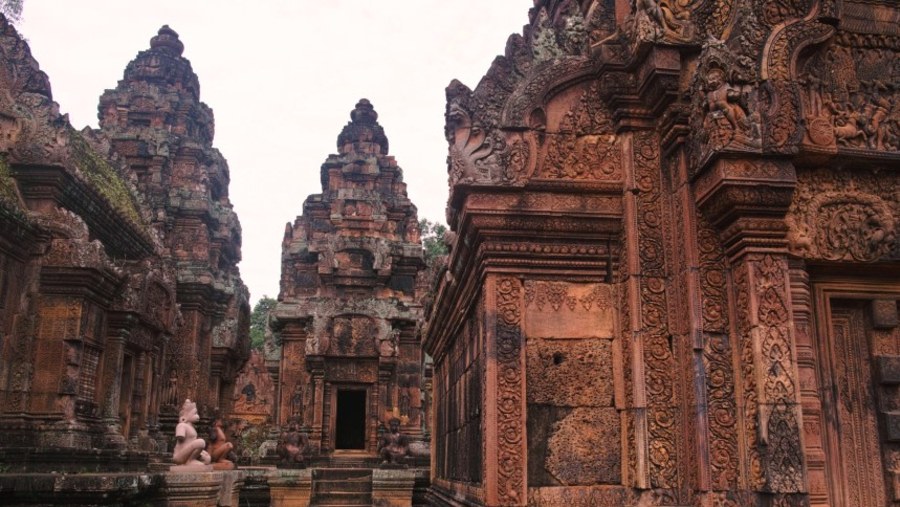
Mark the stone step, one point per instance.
(356, 486)
(338, 474)
(342, 498)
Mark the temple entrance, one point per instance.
(852, 340)
(350, 423)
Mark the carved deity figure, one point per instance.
(189, 450)
(722, 98)
(394, 446)
(220, 449)
(293, 445)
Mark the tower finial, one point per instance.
(167, 40)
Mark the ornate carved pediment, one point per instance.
(833, 219)
(849, 97)
(585, 146)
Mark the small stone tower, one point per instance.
(347, 314)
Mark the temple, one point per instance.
(674, 272)
(120, 293)
(673, 280)
(348, 315)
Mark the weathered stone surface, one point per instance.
(569, 373)
(567, 310)
(584, 447)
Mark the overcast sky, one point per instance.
(282, 77)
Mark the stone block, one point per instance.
(290, 487)
(892, 426)
(577, 496)
(191, 489)
(255, 489)
(570, 373)
(585, 447)
(393, 488)
(884, 314)
(888, 369)
(568, 310)
(229, 493)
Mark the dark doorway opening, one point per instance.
(350, 427)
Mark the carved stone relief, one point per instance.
(848, 97)
(833, 218)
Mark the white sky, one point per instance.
(282, 77)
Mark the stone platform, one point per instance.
(169, 489)
(346, 486)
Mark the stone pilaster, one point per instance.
(747, 200)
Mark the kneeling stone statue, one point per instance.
(190, 454)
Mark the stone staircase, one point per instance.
(341, 487)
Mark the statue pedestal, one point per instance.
(229, 493)
(190, 468)
(191, 489)
(290, 487)
(393, 487)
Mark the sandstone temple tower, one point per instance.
(119, 290)
(676, 271)
(347, 314)
(158, 126)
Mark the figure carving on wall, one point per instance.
(297, 400)
(403, 402)
(189, 450)
(171, 393)
(220, 449)
(293, 446)
(654, 19)
(394, 446)
(724, 99)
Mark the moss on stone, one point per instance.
(103, 177)
(7, 184)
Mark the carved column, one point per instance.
(700, 280)
(747, 200)
(813, 439)
(138, 413)
(114, 355)
(654, 413)
(505, 442)
(317, 378)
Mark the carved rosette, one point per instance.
(510, 388)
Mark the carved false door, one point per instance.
(855, 397)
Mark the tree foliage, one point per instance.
(12, 9)
(259, 320)
(433, 239)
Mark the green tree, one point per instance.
(433, 239)
(259, 320)
(12, 9)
